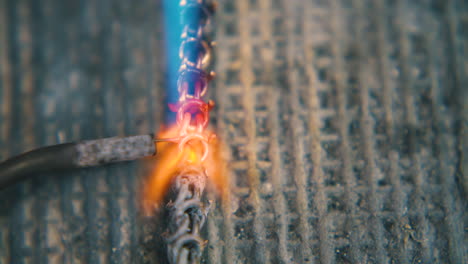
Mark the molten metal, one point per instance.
(171, 159)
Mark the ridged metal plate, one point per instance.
(345, 120)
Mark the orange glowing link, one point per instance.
(171, 159)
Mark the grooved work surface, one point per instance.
(346, 124)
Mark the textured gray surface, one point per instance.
(115, 149)
(346, 122)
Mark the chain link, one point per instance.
(187, 216)
(187, 213)
(195, 54)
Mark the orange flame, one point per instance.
(169, 161)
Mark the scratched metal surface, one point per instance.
(346, 123)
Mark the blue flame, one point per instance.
(173, 27)
(173, 31)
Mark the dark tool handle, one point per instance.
(50, 158)
(75, 155)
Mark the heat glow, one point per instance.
(170, 160)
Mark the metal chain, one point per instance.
(192, 84)
(187, 213)
(187, 216)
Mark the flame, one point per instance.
(169, 161)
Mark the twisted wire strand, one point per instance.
(187, 215)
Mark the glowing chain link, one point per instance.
(187, 212)
(195, 54)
